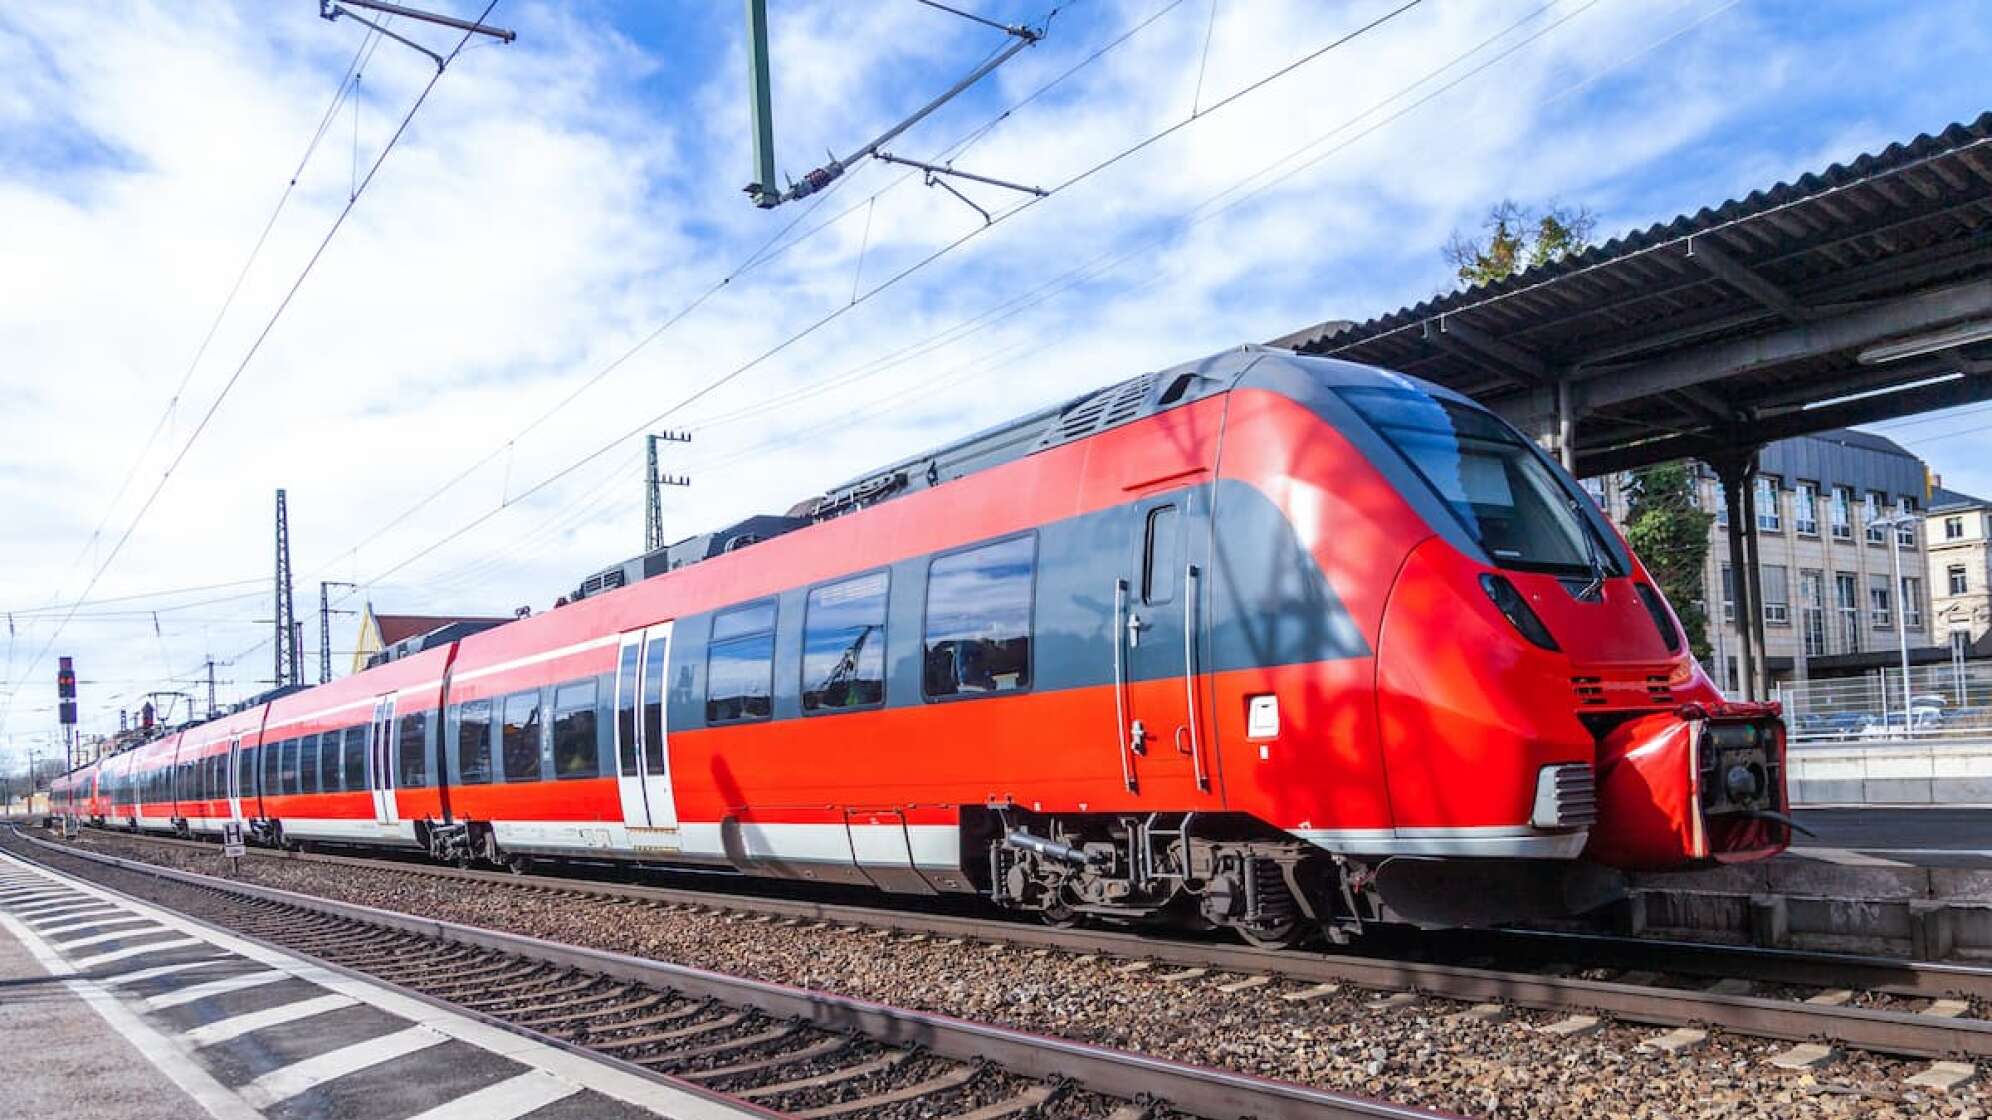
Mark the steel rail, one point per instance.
(1880, 1031)
(1199, 1090)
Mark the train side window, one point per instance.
(576, 751)
(978, 630)
(413, 733)
(355, 751)
(470, 729)
(843, 645)
(626, 706)
(307, 764)
(289, 779)
(520, 736)
(740, 664)
(653, 704)
(273, 754)
(1161, 556)
(245, 772)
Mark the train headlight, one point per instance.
(1516, 608)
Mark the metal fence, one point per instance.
(1949, 701)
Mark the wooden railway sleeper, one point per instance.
(561, 1009)
(529, 991)
(773, 1034)
(1032, 1098)
(952, 1079)
(671, 1016)
(821, 1080)
(816, 1049)
(624, 1045)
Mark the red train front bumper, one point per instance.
(1699, 785)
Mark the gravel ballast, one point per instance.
(1420, 1054)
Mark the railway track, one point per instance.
(1823, 1003)
(790, 1051)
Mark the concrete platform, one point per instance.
(113, 1009)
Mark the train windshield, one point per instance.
(1514, 505)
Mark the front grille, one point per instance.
(1566, 797)
(1590, 691)
(1660, 691)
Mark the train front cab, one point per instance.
(1538, 724)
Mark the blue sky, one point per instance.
(557, 201)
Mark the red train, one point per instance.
(1264, 641)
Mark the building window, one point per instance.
(1905, 534)
(519, 736)
(740, 664)
(1953, 528)
(978, 632)
(1721, 503)
(1777, 597)
(1812, 611)
(577, 749)
(1847, 603)
(1960, 584)
(1912, 602)
(843, 645)
(1871, 514)
(1880, 614)
(1728, 594)
(1768, 514)
(1841, 512)
(1594, 486)
(1805, 508)
(470, 739)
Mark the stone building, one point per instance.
(1959, 528)
(1829, 589)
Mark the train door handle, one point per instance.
(1134, 628)
(1137, 737)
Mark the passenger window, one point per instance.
(626, 707)
(245, 773)
(331, 766)
(471, 739)
(1161, 556)
(655, 660)
(307, 764)
(290, 766)
(414, 728)
(355, 750)
(978, 632)
(740, 664)
(576, 751)
(843, 645)
(273, 754)
(521, 736)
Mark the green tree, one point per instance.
(1667, 527)
(1518, 238)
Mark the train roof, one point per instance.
(1111, 406)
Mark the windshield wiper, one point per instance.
(1591, 554)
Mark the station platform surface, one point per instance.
(1896, 837)
(113, 1009)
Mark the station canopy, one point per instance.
(1857, 294)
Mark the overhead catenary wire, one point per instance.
(769, 250)
(894, 279)
(214, 406)
(1006, 310)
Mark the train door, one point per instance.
(643, 758)
(235, 792)
(380, 760)
(1164, 731)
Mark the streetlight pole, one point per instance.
(1891, 525)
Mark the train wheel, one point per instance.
(518, 865)
(1282, 935)
(1060, 916)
